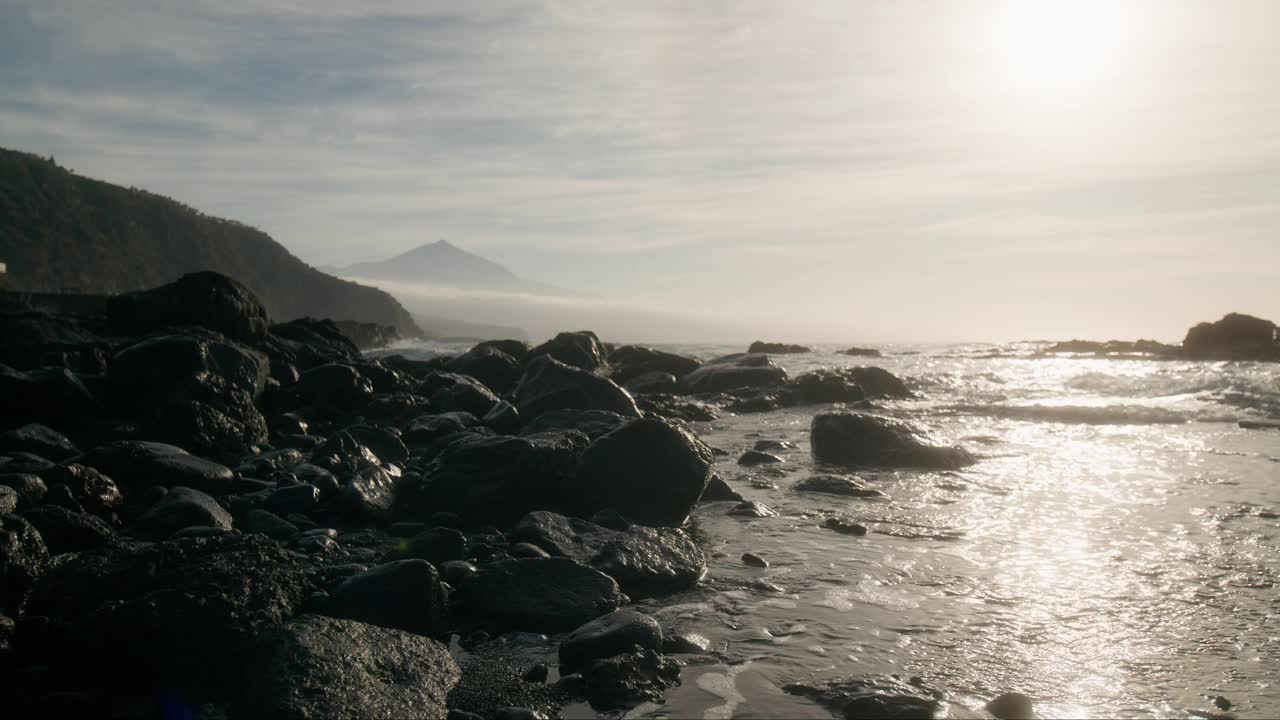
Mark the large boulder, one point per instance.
(319, 667)
(491, 366)
(23, 556)
(580, 349)
(646, 562)
(183, 611)
(652, 470)
(592, 423)
(404, 594)
(541, 594)
(735, 372)
(140, 464)
(1235, 337)
(652, 383)
(619, 632)
(548, 384)
(450, 392)
(498, 479)
(207, 299)
(877, 382)
(308, 343)
(858, 439)
(631, 361)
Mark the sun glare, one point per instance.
(1060, 51)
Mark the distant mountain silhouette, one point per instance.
(444, 264)
(60, 231)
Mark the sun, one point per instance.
(1060, 51)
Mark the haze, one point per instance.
(808, 171)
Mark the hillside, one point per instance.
(61, 231)
(444, 264)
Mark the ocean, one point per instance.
(1114, 552)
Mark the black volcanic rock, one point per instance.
(23, 556)
(733, 372)
(860, 352)
(40, 440)
(778, 348)
(404, 594)
(619, 632)
(207, 299)
(1234, 337)
(548, 384)
(491, 366)
(66, 530)
(857, 439)
(630, 361)
(542, 595)
(580, 349)
(137, 464)
(651, 469)
(652, 382)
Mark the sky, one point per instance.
(845, 170)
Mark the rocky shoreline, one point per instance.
(208, 512)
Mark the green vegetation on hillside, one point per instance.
(60, 231)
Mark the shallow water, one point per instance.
(1114, 552)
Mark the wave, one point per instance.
(1091, 414)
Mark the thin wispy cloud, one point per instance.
(749, 157)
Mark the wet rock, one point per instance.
(652, 468)
(645, 562)
(404, 594)
(853, 439)
(718, 490)
(860, 352)
(370, 495)
(66, 531)
(592, 423)
(180, 508)
(1219, 702)
(685, 644)
(652, 382)
(752, 509)
(1011, 706)
(734, 372)
(28, 488)
(138, 464)
(836, 485)
(676, 408)
(490, 365)
(435, 545)
(450, 392)
(182, 611)
(23, 556)
(844, 526)
(457, 572)
(881, 697)
(491, 685)
(503, 418)
(269, 524)
(528, 550)
(754, 561)
(498, 479)
(333, 387)
(630, 362)
(773, 445)
(578, 349)
(429, 428)
(92, 490)
(822, 386)
(778, 348)
(755, 457)
(308, 343)
(553, 594)
(207, 299)
(878, 382)
(384, 443)
(551, 385)
(455, 714)
(518, 713)
(302, 498)
(621, 631)
(39, 440)
(322, 667)
(52, 395)
(624, 681)
(1234, 337)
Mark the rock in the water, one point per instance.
(888, 698)
(621, 631)
(182, 611)
(672, 407)
(836, 485)
(498, 479)
(856, 439)
(861, 352)
(645, 562)
(624, 681)
(40, 440)
(752, 560)
(878, 382)
(1011, 706)
(548, 384)
(404, 594)
(753, 509)
(66, 530)
(844, 527)
(579, 349)
(23, 556)
(1234, 337)
(182, 507)
(719, 490)
(137, 464)
(778, 348)
(316, 667)
(734, 372)
(651, 469)
(633, 361)
(546, 595)
(652, 382)
(756, 457)
(207, 299)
